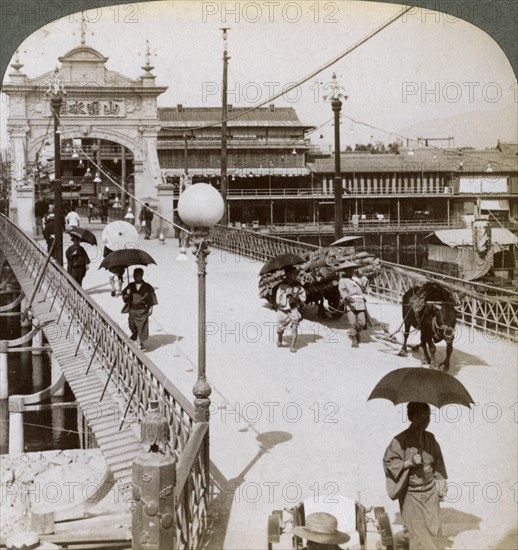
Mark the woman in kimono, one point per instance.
(139, 298)
(77, 260)
(416, 476)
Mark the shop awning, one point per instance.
(464, 237)
(488, 184)
(502, 204)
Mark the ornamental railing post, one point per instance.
(154, 480)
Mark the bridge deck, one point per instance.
(286, 426)
(104, 418)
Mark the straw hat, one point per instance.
(323, 528)
(346, 265)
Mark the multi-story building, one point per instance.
(267, 151)
(438, 186)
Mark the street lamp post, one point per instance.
(270, 191)
(54, 94)
(201, 207)
(337, 107)
(336, 104)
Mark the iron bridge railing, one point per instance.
(136, 378)
(490, 309)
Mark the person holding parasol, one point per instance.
(414, 467)
(416, 476)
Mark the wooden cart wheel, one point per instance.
(361, 524)
(274, 527)
(384, 528)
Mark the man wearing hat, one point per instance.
(321, 532)
(289, 298)
(352, 296)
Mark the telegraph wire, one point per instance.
(328, 64)
(433, 147)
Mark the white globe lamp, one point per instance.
(201, 205)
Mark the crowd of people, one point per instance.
(139, 296)
(413, 463)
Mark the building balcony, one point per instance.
(276, 193)
(365, 226)
(248, 143)
(106, 151)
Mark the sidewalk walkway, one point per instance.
(286, 426)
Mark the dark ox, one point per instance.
(430, 309)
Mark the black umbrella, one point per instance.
(83, 235)
(421, 385)
(344, 241)
(281, 261)
(126, 257)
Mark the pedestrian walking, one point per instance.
(146, 219)
(49, 231)
(416, 476)
(77, 260)
(104, 212)
(72, 218)
(356, 310)
(90, 211)
(139, 298)
(289, 298)
(117, 274)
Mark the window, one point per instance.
(180, 108)
(230, 108)
(272, 107)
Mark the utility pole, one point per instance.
(224, 112)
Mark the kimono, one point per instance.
(77, 260)
(138, 303)
(49, 231)
(418, 488)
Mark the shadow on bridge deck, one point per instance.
(333, 440)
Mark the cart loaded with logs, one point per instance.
(318, 273)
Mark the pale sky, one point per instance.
(424, 75)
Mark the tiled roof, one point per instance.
(422, 160)
(508, 148)
(281, 116)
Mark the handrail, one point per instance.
(496, 313)
(189, 456)
(136, 378)
(471, 285)
(132, 366)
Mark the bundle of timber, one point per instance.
(320, 271)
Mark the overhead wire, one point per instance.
(108, 176)
(311, 75)
(432, 147)
(285, 91)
